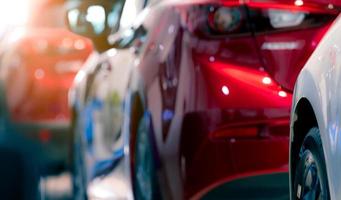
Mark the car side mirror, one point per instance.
(95, 20)
(129, 37)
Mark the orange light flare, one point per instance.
(13, 13)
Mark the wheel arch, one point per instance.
(304, 119)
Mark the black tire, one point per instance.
(78, 171)
(145, 170)
(311, 180)
(144, 187)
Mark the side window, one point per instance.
(95, 19)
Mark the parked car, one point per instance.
(207, 104)
(315, 123)
(38, 63)
(96, 97)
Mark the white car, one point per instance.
(315, 147)
(100, 167)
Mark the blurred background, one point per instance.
(39, 59)
(72, 123)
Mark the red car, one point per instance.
(38, 65)
(208, 105)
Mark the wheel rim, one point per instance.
(311, 188)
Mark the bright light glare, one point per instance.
(282, 18)
(282, 94)
(266, 80)
(330, 6)
(129, 14)
(73, 17)
(80, 76)
(282, 45)
(13, 12)
(39, 73)
(112, 52)
(96, 16)
(299, 3)
(225, 90)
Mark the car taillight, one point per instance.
(268, 35)
(286, 36)
(220, 20)
(267, 20)
(283, 18)
(217, 20)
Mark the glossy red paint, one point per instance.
(293, 5)
(242, 81)
(256, 110)
(321, 6)
(285, 63)
(220, 103)
(252, 120)
(210, 160)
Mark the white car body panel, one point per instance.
(320, 83)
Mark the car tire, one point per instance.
(78, 171)
(145, 170)
(311, 180)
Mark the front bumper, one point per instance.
(247, 142)
(262, 187)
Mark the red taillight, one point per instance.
(44, 135)
(223, 20)
(275, 36)
(228, 21)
